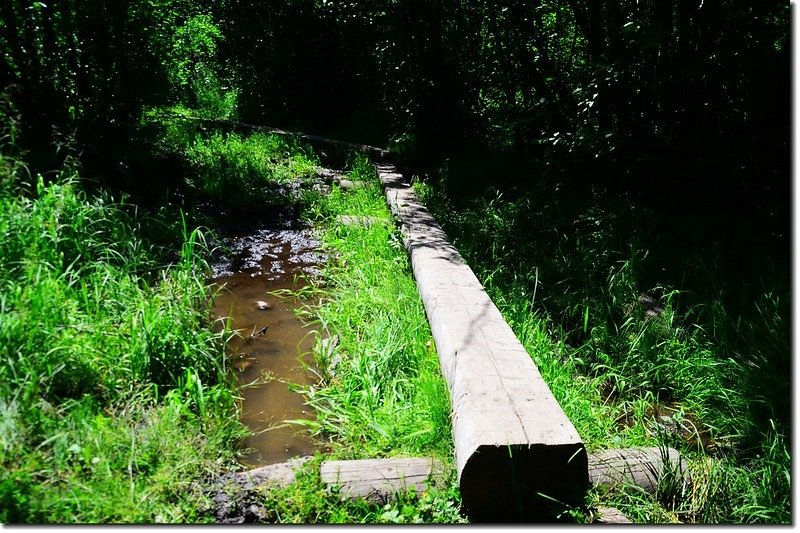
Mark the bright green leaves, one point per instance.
(193, 67)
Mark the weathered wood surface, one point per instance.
(611, 515)
(353, 220)
(512, 438)
(381, 479)
(640, 466)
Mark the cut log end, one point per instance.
(521, 483)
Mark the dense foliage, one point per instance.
(684, 103)
(616, 172)
(114, 393)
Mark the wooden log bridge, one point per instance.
(382, 480)
(518, 456)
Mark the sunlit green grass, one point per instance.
(229, 168)
(385, 394)
(114, 395)
(230, 163)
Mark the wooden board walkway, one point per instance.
(513, 442)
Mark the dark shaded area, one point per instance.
(682, 104)
(78, 73)
(524, 484)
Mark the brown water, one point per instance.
(269, 360)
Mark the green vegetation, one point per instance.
(114, 394)
(381, 391)
(227, 168)
(633, 367)
(616, 173)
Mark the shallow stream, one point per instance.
(269, 350)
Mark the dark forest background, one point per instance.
(684, 104)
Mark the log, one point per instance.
(280, 474)
(513, 442)
(380, 480)
(348, 185)
(353, 220)
(611, 515)
(644, 467)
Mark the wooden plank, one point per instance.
(645, 467)
(611, 515)
(512, 439)
(380, 479)
(354, 220)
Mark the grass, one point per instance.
(385, 394)
(620, 354)
(226, 164)
(228, 168)
(114, 394)
(117, 403)
(380, 392)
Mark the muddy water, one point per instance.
(268, 353)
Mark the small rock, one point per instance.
(328, 344)
(665, 425)
(329, 175)
(263, 306)
(650, 305)
(335, 361)
(349, 184)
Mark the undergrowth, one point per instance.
(635, 362)
(380, 392)
(227, 167)
(114, 395)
